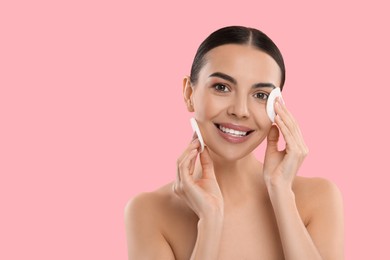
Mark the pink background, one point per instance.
(92, 113)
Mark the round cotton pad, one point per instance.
(270, 103)
(196, 129)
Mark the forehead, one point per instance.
(243, 62)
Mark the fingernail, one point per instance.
(281, 100)
(278, 104)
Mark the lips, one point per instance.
(234, 133)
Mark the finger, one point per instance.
(288, 118)
(300, 139)
(194, 136)
(192, 164)
(185, 166)
(293, 126)
(272, 140)
(195, 144)
(293, 146)
(282, 111)
(207, 164)
(287, 135)
(175, 186)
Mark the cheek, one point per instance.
(265, 122)
(262, 120)
(207, 105)
(263, 128)
(259, 112)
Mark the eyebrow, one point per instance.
(232, 80)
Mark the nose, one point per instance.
(239, 108)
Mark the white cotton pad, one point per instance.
(270, 103)
(196, 129)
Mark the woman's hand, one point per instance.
(280, 167)
(201, 193)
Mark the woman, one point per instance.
(227, 204)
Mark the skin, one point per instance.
(224, 203)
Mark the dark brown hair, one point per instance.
(237, 35)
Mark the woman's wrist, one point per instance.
(211, 219)
(208, 239)
(211, 224)
(280, 190)
(211, 229)
(212, 213)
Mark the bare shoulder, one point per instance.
(316, 189)
(321, 207)
(148, 204)
(146, 198)
(316, 196)
(144, 220)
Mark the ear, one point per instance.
(187, 93)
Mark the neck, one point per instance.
(236, 179)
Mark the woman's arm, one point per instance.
(145, 240)
(208, 239)
(204, 197)
(323, 237)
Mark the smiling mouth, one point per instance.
(232, 132)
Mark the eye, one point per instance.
(220, 88)
(262, 96)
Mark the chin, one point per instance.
(229, 155)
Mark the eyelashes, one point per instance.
(223, 88)
(261, 95)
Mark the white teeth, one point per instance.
(232, 132)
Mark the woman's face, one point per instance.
(229, 99)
